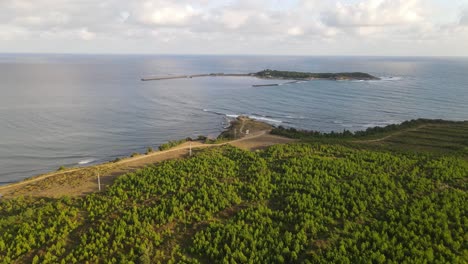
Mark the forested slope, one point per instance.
(297, 203)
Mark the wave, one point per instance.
(212, 111)
(381, 123)
(294, 117)
(391, 78)
(263, 118)
(86, 161)
(266, 119)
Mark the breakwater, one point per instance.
(198, 75)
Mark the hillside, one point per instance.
(329, 199)
(439, 137)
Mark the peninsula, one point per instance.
(274, 74)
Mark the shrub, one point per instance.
(201, 138)
(172, 143)
(149, 150)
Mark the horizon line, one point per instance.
(225, 54)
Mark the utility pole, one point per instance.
(190, 149)
(99, 181)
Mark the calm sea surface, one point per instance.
(77, 110)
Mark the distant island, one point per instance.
(274, 74)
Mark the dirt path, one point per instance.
(389, 136)
(80, 181)
(242, 126)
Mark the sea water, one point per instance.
(77, 110)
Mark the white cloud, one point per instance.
(376, 13)
(11, 32)
(251, 24)
(464, 18)
(85, 34)
(295, 31)
(52, 19)
(166, 14)
(234, 19)
(123, 17)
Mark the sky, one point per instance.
(294, 27)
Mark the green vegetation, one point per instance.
(309, 134)
(173, 143)
(309, 75)
(305, 202)
(149, 150)
(421, 135)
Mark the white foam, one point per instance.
(381, 124)
(212, 111)
(268, 120)
(255, 117)
(86, 161)
(294, 117)
(390, 78)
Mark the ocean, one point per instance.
(77, 110)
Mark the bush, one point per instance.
(172, 144)
(149, 150)
(201, 138)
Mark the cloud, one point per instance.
(234, 19)
(375, 13)
(401, 18)
(464, 18)
(295, 31)
(165, 14)
(226, 23)
(85, 34)
(8, 32)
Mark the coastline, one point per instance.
(247, 134)
(82, 180)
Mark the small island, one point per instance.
(274, 74)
